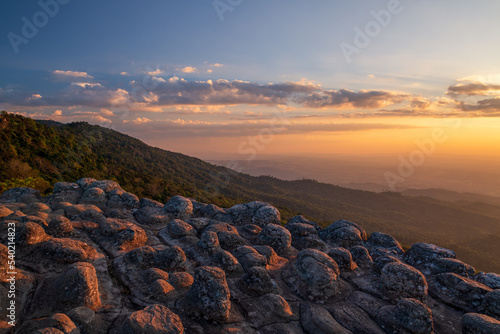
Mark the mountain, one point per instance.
(38, 154)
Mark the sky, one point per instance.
(239, 78)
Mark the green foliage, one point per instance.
(42, 153)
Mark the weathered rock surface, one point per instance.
(93, 258)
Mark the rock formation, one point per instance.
(92, 258)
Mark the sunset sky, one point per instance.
(239, 78)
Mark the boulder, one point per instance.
(343, 233)
(491, 304)
(473, 323)
(461, 292)
(403, 281)
(179, 206)
(20, 195)
(276, 236)
(408, 316)
(256, 281)
(361, 256)
(422, 254)
(313, 276)
(266, 215)
(343, 258)
(155, 319)
(489, 279)
(209, 295)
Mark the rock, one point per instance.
(105, 185)
(226, 261)
(268, 252)
(123, 201)
(361, 256)
(423, 254)
(381, 244)
(59, 226)
(210, 211)
(170, 258)
(180, 280)
(5, 212)
(305, 236)
(403, 281)
(57, 322)
(74, 210)
(343, 233)
(408, 316)
(256, 281)
(228, 235)
(36, 207)
(268, 309)
(85, 182)
(156, 319)
(313, 276)
(180, 206)
(491, 304)
(276, 236)
(343, 258)
(209, 242)
(302, 220)
(461, 292)
(30, 234)
(209, 295)
(489, 279)
(249, 257)
(66, 192)
(178, 229)
(473, 323)
(266, 215)
(317, 320)
(149, 203)
(447, 265)
(152, 216)
(67, 250)
(381, 261)
(20, 195)
(77, 286)
(94, 196)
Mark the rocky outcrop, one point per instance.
(93, 258)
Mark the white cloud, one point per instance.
(188, 69)
(70, 75)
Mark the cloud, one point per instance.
(345, 98)
(474, 88)
(124, 73)
(71, 75)
(57, 113)
(154, 73)
(188, 69)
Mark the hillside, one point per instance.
(38, 154)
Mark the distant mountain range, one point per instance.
(40, 153)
